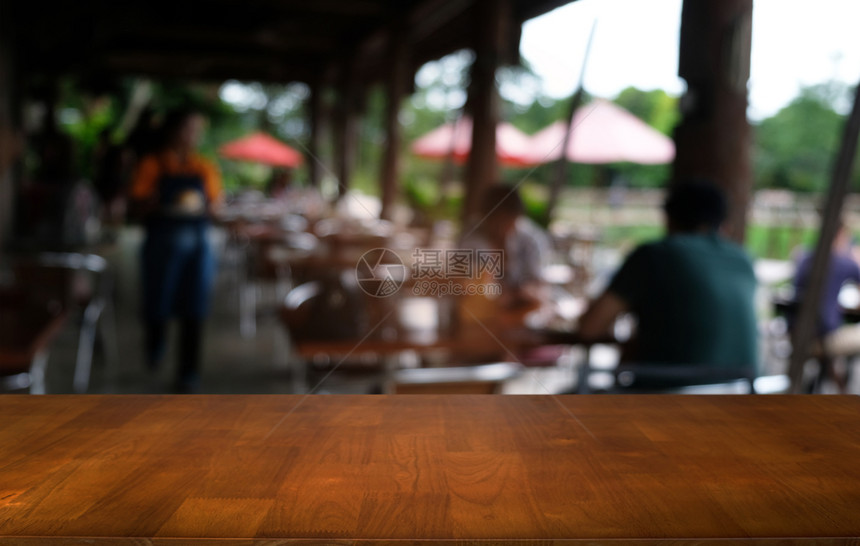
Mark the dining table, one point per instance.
(427, 469)
(522, 345)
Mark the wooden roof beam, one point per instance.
(429, 16)
(223, 66)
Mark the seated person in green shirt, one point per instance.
(692, 294)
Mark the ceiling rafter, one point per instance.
(260, 39)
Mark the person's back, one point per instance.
(693, 296)
(841, 270)
(836, 338)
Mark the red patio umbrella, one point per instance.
(261, 148)
(513, 147)
(603, 132)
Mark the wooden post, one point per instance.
(397, 73)
(807, 316)
(315, 143)
(9, 140)
(494, 19)
(560, 177)
(346, 129)
(713, 139)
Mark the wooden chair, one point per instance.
(326, 311)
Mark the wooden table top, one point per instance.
(267, 469)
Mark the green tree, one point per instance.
(659, 110)
(795, 147)
(539, 114)
(656, 108)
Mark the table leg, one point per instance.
(37, 372)
(86, 344)
(300, 375)
(584, 372)
(110, 344)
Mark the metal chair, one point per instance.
(29, 324)
(785, 305)
(695, 380)
(96, 304)
(292, 312)
(269, 261)
(294, 315)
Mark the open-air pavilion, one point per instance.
(345, 47)
(430, 468)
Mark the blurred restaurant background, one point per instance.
(355, 140)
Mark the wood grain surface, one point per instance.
(381, 469)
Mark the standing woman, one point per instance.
(174, 192)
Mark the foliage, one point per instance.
(421, 193)
(273, 108)
(659, 110)
(85, 113)
(792, 149)
(534, 197)
(778, 242)
(795, 147)
(540, 113)
(762, 241)
(656, 108)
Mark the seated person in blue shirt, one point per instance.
(692, 294)
(838, 339)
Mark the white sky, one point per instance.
(795, 42)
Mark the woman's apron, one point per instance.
(178, 261)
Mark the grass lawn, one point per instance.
(761, 242)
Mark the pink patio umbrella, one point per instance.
(603, 132)
(261, 148)
(513, 147)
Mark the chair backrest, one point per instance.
(325, 309)
(479, 379)
(70, 276)
(73, 260)
(294, 310)
(300, 241)
(785, 307)
(768, 384)
(672, 378)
